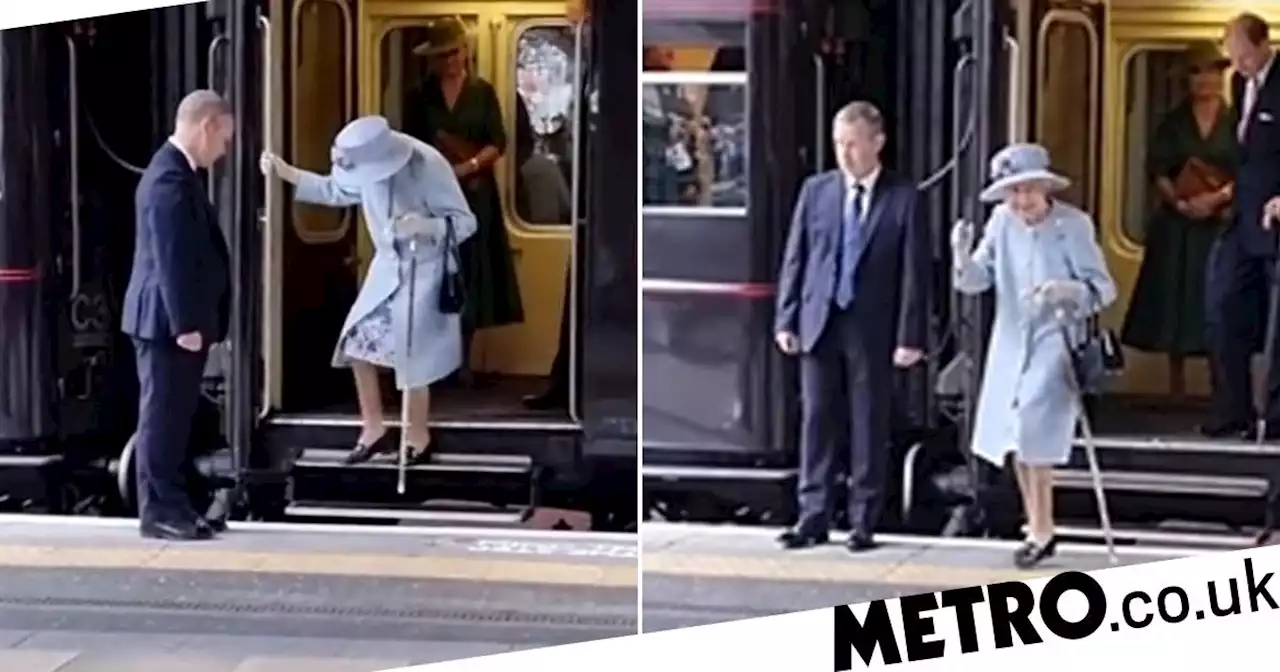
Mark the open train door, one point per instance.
(604, 373)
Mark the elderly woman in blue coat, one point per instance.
(1041, 258)
(411, 199)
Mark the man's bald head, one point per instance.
(204, 124)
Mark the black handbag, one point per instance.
(453, 292)
(1096, 356)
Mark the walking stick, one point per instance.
(403, 461)
(1090, 450)
(1260, 405)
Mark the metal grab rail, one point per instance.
(73, 121)
(575, 213)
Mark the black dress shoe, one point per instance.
(364, 452)
(1031, 553)
(547, 401)
(176, 531)
(216, 525)
(798, 537)
(859, 542)
(1226, 430)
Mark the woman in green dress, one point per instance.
(1191, 161)
(459, 114)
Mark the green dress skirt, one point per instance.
(493, 291)
(1166, 311)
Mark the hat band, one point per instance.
(347, 158)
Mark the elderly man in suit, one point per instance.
(1242, 262)
(176, 306)
(852, 305)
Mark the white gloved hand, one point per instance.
(962, 238)
(272, 165)
(1058, 294)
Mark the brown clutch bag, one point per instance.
(1197, 178)
(457, 151)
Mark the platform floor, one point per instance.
(702, 574)
(89, 595)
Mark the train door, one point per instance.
(337, 59)
(311, 256)
(1149, 81)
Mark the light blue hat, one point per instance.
(367, 151)
(1020, 163)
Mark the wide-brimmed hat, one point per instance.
(367, 151)
(443, 36)
(1018, 164)
(1204, 55)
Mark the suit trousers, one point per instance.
(846, 401)
(169, 380)
(1237, 297)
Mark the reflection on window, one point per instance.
(546, 90)
(1069, 84)
(1156, 84)
(322, 103)
(695, 144)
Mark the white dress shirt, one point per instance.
(868, 183)
(190, 161)
(1251, 87)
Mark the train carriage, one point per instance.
(96, 96)
(1089, 79)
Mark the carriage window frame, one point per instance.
(702, 78)
(511, 98)
(348, 25)
(1077, 18)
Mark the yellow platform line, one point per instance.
(763, 568)
(186, 558)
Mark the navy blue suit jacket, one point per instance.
(181, 278)
(891, 302)
(1258, 177)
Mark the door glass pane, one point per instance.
(1067, 104)
(322, 102)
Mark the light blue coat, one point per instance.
(1027, 403)
(430, 347)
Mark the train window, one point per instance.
(323, 67)
(546, 91)
(1070, 65)
(695, 139)
(1160, 135)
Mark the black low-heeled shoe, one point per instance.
(1031, 554)
(419, 455)
(364, 452)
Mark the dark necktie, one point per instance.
(851, 234)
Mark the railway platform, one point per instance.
(703, 574)
(90, 595)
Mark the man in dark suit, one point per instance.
(1241, 265)
(176, 306)
(852, 304)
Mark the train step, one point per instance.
(1164, 483)
(370, 490)
(424, 514)
(329, 458)
(1188, 537)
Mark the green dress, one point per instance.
(493, 292)
(1166, 312)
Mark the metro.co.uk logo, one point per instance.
(1000, 615)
